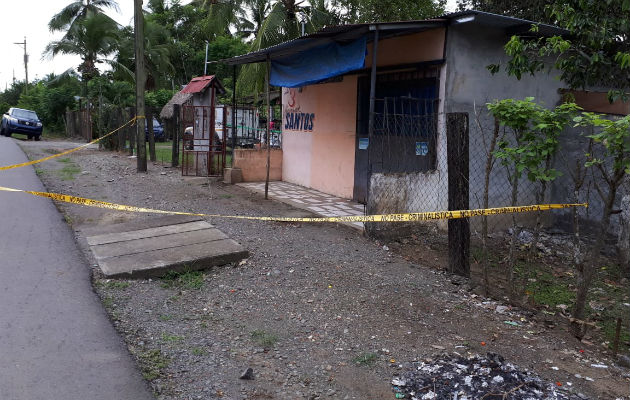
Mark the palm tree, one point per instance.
(94, 36)
(283, 22)
(65, 19)
(158, 49)
(252, 16)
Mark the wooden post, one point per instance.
(176, 128)
(140, 83)
(267, 141)
(458, 192)
(132, 134)
(149, 113)
(371, 113)
(234, 111)
(121, 133)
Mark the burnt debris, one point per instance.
(454, 377)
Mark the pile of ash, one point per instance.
(478, 377)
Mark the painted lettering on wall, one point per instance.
(299, 121)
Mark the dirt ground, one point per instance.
(317, 311)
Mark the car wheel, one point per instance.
(38, 138)
(7, 133)
(30, 137)
(2, 133)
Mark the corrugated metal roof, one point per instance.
(341, 33)
(511, 24)
(199, 84)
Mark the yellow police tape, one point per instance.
(131, 121)
(407, 217)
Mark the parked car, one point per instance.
(158, 131)
(25, 122)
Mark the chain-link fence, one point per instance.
(413, 156)
(561, 259)
(406, 157)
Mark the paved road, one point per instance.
(55, 339)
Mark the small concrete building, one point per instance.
(365, 107)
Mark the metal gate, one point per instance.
(203, 149)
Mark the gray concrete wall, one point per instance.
(466, 85)
(469, 86)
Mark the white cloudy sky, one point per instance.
(20, 18)
(30, 18)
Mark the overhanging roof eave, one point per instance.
(320, 38)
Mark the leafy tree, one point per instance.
(104, 90)
(76, 11)
(158, 98)
(611, 162)
(91, 38)
(252, 16)
(355, 11)
(50, 98)
(535, 131)
(532, 10)
(158, 49)
(284, 22)
(12, 94)
(595, 53)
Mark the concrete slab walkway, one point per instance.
(56, 341)
(320, 203)
(150, 248)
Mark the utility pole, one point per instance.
(23, 44)
(205, 64)
(140, 82)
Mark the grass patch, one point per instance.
(366, 359)
(115, 284)
(166, 317)
(226, 196)
(108, 302)
(171, 338)
(198, 351)
(39, 171)
(550, 291)
(152, 363)
(187, 280)
(52, 151)
(69, 171)
(264, 339)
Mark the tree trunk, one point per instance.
(540, 198)
(140, 82)
(515, 232)
(586, 270)
(151, 135)
(486, 195)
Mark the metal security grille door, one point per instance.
(203, 149)
(405, 126)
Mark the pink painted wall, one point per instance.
(423, 46)
(296, 156)
(322, 158)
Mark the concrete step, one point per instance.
(151, 248)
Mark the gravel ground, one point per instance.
(317, 311)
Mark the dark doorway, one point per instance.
(405, 126)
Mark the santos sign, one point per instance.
(299, 121)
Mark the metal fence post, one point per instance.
(458, 192)
(176, 131)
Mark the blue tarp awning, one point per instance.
(318, 63)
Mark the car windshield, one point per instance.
(25, 114)
(155, 122)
